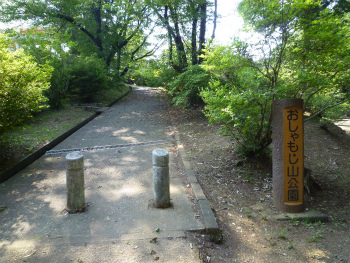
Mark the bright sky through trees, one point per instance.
(229, 23)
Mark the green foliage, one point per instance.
(274, 15)
(185, 87)
(75, 77)
(315, 237)
(185, 23)
(88, 76)
(152, 73)
(146, 77)
(282, 234)
(113, 30)
(45, 46)
(320, 101)
(22, 84)
(238, 99)
(59, 85)
(317, 64)
(78, 77)
(167, 75)
(247, 212)
(290, 245)
(147, 74)
(244, 114)
(303, 52)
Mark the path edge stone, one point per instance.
(210, 222)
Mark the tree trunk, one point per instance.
(203, 13)
(170, 47)
(194, 33)
(180, 48)
(194, 41)
(214, 22)
(170, 38)
(96, 12)
(118, 62)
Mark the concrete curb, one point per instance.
(7, 174)
(211, 225)
(311, 215)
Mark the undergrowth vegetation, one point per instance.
(42, 75)
(301, 51)
(22, 83)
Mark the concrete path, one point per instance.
(344, 125)
(120, 225)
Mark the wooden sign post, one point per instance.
(288, 155)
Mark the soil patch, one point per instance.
(239, 191)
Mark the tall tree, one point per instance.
(317, 61)
(107, 27)
(303, 51)
(339, 6)
(186, 25)
(276, 21)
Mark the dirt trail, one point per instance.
(240, 193)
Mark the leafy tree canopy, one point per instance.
(303, 51)
(103, 27)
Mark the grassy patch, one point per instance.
(17, 143)
(290, 245)
(247, 212)
(21, 141)
(45, 127)
(110, 95)
(282, 234)
(316, 236)
(264, 215)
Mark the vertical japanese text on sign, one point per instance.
(293, 156)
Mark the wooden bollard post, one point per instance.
(161, 188)
(288, 155)
(75, 183)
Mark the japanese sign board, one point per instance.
(293, 156)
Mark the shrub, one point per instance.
(244, 115)
(88, 77)
(46, 48)
(59, 85)
(153, 73)
(186, 86)
(78, 78)
(146, 77)
(322, 100)
(238, 99)
(22, 84)
(166, 76)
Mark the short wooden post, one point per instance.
(288, 155)
(161, 181)
(75, 183)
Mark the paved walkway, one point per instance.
(119, 225)
(344, 125)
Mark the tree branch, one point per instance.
(81, 28)
(326, 108)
